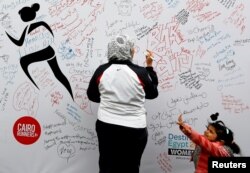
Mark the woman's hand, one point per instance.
(149, 58)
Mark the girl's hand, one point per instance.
(186, 130)
(180, 120)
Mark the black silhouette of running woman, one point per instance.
(28, 14)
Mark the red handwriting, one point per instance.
(164, 162)
(25, 98)
(237, 18)
(56, 97)
(233, 104)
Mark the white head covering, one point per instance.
(120, 48)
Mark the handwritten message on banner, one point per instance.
(49, 51)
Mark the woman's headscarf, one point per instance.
(119, 48)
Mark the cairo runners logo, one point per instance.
(27, 130)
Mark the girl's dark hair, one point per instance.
(224, 133)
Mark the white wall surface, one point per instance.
(201, 49)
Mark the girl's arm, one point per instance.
(212, 147)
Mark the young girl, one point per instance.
(217, 141)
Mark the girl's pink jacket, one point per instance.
(208, 148)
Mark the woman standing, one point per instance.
(121, 88)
